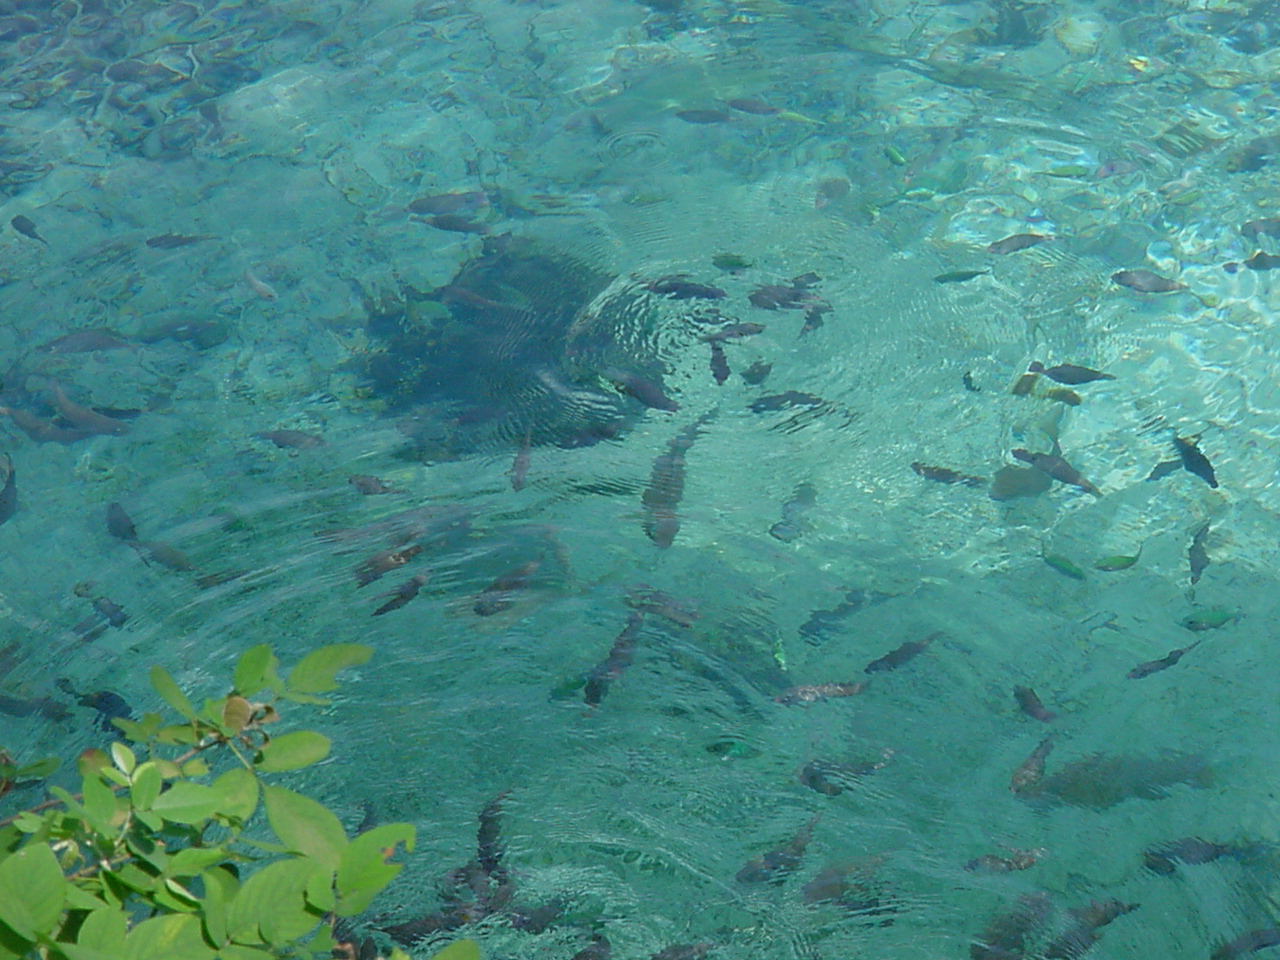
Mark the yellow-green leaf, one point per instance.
(459, 950)
(292, 751)
(316, 672)
(146, 785)
(187, 802)
(32, 890)
(305, 826)
(255, 670)
(123, 758)
(238, 794)
(170, 692)
(364, 872)
(167, 938)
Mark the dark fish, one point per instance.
(1164, 469)
(731, 262)
(86, 418)
(1144, 281)
(455, 223)
(119, 524)
(647, 600)
(1165, 858)
(900, 655)
(969, 385)
(294, 439)
(23, 707)
(1193, 461)
(1063, 395)
(1010, 482)
(1069, 373)
(107, 704)
(946, 475)
(774, 866)
(1007, 935)
(959, 276)
(781, 296)
(1023, 386)
(165, 554)
(110, 611)
(641, 388)
(370, 485)
(1018, 860)
(1197, 555)
(599, 949)
(621, 655)
(1030, 772)
(813, 315)
(9, 494)
(448, 202)
(1247, 943)
(793, 524)
(84, 341)
(1267, 226)
(821, 622)
(733, 331)
(1019, 241)
(703, 116)
(815, 692)
(499, 595)
(520, 463)
(1164, 663)
(785, 401)
(719, 363)
(1078, 938)
(831, 778)
(384, 561)
(1056, 467)
(751, 105)
(757, 373)
(676, 287)
(170, 241)
(402, 594)
(27, 228)
(683, 951)
(489, 838)
(1030, 704)
(1254, 155)
(1263, 261)
(665, 490)
(1100, 781)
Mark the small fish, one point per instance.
(733, 331)
(1263, 261)
(1069, 373)
(1063, 565)
(1144, 281)
(831, 779)
(946, 475)
(164, 554)
(1164, 469)
(1118, 562)
(814, 693)
(86, 418)
(813, 315)
(1267, 226)
(456, 223)
(1197, 555)
(449, 202)
(1031, 771)
(677, 287)
(757, 373)
(959, 276)
(170, 241)
(1023, 386)
(1030, 704)
(46, 707)
(793, 524)
(641, 388)
(520, 463)
(1164, 663)
(1063, 395)
(1019, 241)
(598, 949)
(1249, 942)
(9, 493)
(665, 489)
(1056, 467)
(85, 341)
(1078, 938)
(1006, 936)
(785, 401)
(1018, 860)
(402, 594)
(1193, 461)
(719, 363)
(683, 951)
(1208, 618)
(499, 595)
(731, 262)
(1165, 858)
(107, 704)
(621, 655)
(384, 561)
(291, 439)
(774, 866)
(703, 116)
(751, 105)
(370, 485)
(900, 655)
(260, 288)
(119, 524)
(27, 228)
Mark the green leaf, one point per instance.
(170, 692)
(271, 905)
(194, 860)
(363, 871)
(235, 951)
(220, 888)
(38, 770)
(293, 751)
(316, 672)
(255, 670)
(123, 758)
(179, 733)
(305, 826)
(166, 938)
(459, 950)
(238, 792)
(99, 803)
(32, 891)
(146, 785)
(187, 802)
(103, 929)
(319, 891)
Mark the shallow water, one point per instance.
(505, 371)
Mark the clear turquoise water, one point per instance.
(910, 136)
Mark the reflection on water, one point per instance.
(693, 403)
